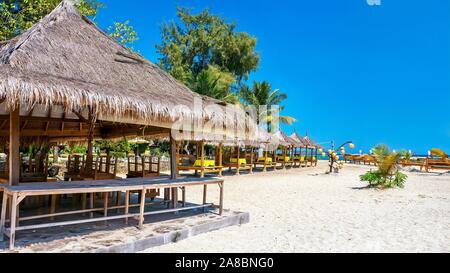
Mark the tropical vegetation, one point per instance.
(202, 50)
(16, 16)
(261, 94)
(388, 174)
(207, 54)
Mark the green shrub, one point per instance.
(377, 179)
(388, 174)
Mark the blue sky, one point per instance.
(371, 74)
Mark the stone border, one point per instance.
(176, 236)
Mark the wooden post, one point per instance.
(317, 157)
(183, 197)
(173, 158)
(220, 158)
(13, 221)
(205, 190)
(175, 197)
(300, 162)
(251, 160)
(238, 168)
(3, 216)
(105, 204)
(90, 156)
(265, 160)
(177, 157)
(141, 210)
(91, 204)
(129, 164)
(202, 170)
(127, 205)
(221, 185)
(14, 143)
(53, 200)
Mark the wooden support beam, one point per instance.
(220, 157)
(3, 217)
(202, 171)
(80, 116)
(90, 139)
(13, 222)
(26, 121)
(14, 143)
(63, 118)
(173, 158)
(49, 115)
(43, 119)
(4, 122)
(142, 210)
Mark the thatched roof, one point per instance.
(66, 60)
(303, 140)
(290, 140)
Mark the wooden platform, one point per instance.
(16, 194)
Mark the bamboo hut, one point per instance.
(267, 145)
(240, 157)
(301, 150)
(282, 153)
(64, 79)
(312, 151)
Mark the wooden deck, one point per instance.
(16, 194)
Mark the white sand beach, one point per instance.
(304, 210)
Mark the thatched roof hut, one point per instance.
(67, 70)
(299, 139)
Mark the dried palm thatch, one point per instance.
(301, 143)
(66, 60)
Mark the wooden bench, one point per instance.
(437, 164)
(413, 163)
(143, 166)
(265, 162)
(16, 194)
(285, 161)
(239, 164)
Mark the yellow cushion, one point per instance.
(284, 158)
(242, 161)
(208, 163)
(267, 160)
(299, 158)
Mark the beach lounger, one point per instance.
(209, 166)
(265, 162)
(285, 161)
(239, 164)
(437, 164)
(413, 163)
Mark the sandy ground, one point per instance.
(307, 211)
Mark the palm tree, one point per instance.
(261, 94)
(214, 83)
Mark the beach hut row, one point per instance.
(65, 80)
(266, 152)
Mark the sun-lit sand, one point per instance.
(304, 210)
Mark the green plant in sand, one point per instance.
(387, 175)
(406, 155)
